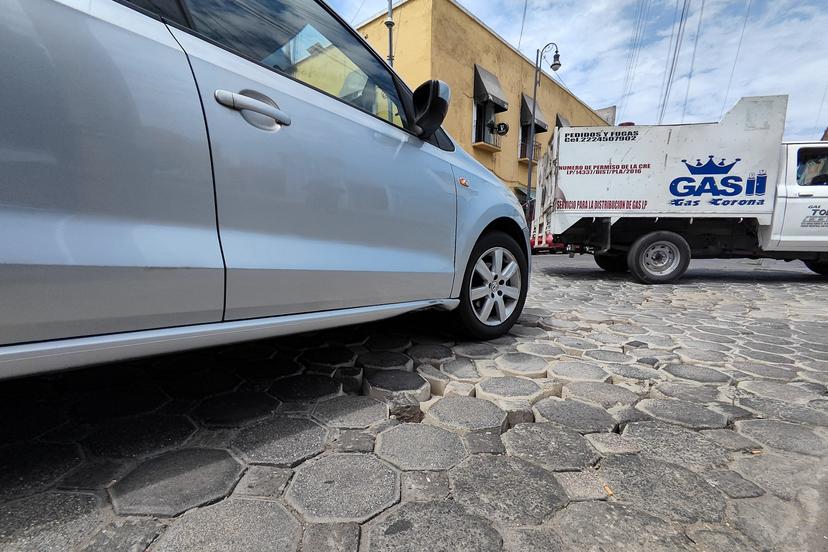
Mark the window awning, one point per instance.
(526, 104)
(561, 121)
(487, 89)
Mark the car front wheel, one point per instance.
(494, 287)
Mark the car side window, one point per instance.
(812, 167)
(300, 39)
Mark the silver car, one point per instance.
(187, 173)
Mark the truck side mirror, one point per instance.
(431, 102)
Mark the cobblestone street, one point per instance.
(615, 416)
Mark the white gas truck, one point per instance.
(649, 198)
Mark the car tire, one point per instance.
(615, 264)
(659, 257)
(500, 291)
(820, 267)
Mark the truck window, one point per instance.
(812, 167)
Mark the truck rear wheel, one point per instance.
(615, 263)
(820, 267)
(659, 257)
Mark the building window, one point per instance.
(489, 100)
(530, 144)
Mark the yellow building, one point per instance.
(491, 82)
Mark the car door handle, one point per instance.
(805, 194)
(240, 101)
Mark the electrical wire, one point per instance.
(635, 45)
(667, 58)
(674, 61)
(637, 55)
(736, 58)
(692, 61)
(821, 105)
(356, 13)
(522, 22)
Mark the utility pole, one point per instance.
(389, 22)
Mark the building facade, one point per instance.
(491, 83)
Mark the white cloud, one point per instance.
(783, 52)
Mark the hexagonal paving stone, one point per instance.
(125, 534)
(605, 394)
(49, 522)
(461, 369)
(430, 354)
(575, 346)
(175, 482)
(337, 357)
(546, 350)
(388, 384)
(785, 436)
(577, 371)
(420, 447)
(765, 371)
(577, 415)
(306, 388)
(633, 373)
(134, 437)
(435, 378)
(119, 402)
(509, 387)
(602, 355)
(350, 412)
(700, 374)
(771, 408)
(683, 413)
(438, 526)
(388, 342)
(550, 446)
(507, 490)
(281, 441)
(595, 525)
(475, 350)
(343, 487)
(675, 444)
(732, 484)
(235, 409)
(690, 392)
(212, 380)
(779, 391)
(233, 524)
(465, 414)
(661, 489)
(385, 360)
(522, 364)
(27, 468)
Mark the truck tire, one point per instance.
(612, 263)
(659, 257)
(490, 300)
(820, 267)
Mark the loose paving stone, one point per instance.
(235, 409)
(612, 443)
(785, 436)
(506, 489)
(385, 385)
(508, 387)
(353, 441)
(385, 360)
(732, 441)
(49, 522)
(771, 408)
(337, 357)
(435, 378)
(484, 442)
(572, 371)
(263, 482)
(686, 392)
(683, 413)
(420, 447)
(140, 436)
(281, 441)
(698, 374)
(675, 444)
(475, 350)
(465, 414)
(430, 354)
(27, 468)
(600, 525)
(545, 350)
(779, 391)
(550, 446)
(233, 524)
(460, 388)
(604, 394)
(577, 415)
(582, 485)
(343, 488)
(622, 373)
(461, 369)
(732, 484)
(439, 526)
(306, 388)
(350, 412)
(522, 364)
(423, 486)
(331, 537)
(603, 355)
(175, 482)
(661, 489)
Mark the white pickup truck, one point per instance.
(649, 198)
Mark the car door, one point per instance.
(805, 227)
(107, 212)
(341, 208)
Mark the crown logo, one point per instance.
(710, 167)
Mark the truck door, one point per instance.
(805, 227)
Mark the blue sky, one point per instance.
(783, 51)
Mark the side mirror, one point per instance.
(431, 102)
